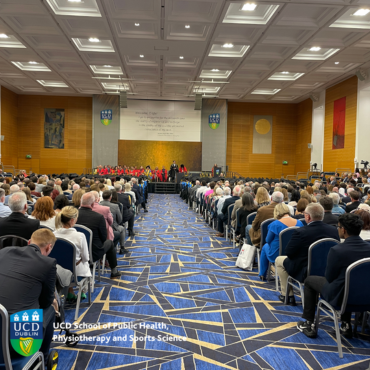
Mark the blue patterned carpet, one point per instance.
(179, 282)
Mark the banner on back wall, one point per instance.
(262, 134)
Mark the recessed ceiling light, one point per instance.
(3, 36)
(285, 72)
(215, 70)
(249, 6)
(137, 24)
(181, 57)
(107, 66)
(94, 39)
(336, 63)
(74, 1)
(141, 56)
(32, 62)
(227, 45)
(361, 12)
(187, 26)
(315, 48)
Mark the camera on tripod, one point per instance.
(365, 163)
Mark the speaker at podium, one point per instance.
(217, 171)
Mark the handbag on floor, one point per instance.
(246, 257)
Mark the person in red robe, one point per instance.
(183, 169)
(163, 174)
(156, 175)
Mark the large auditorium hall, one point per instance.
(184, 184)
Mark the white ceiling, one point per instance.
(154, 49)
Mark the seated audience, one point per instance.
(271, 249)
(365, 217)
(329, 219)
(355, 201)
(262, 197)
(31, 284)
(117, 218)
(296, 196)
(60, 202)
(336, 198)
(76, 198)
(13, 189)
(301, 206)
(253, 232)
(248, 207)
(17, 223)
(4, 210)
(220, 204)
(44, 212)
(47, 191)
(127, 211)
(32, 188)
(331, 286)
(64, 228)
(224, 215)
(295, 261)
(27, 191)
(128, 191)
(41, 183)
(96, 223)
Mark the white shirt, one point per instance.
(79, 240)
(49, 223)
(200, 191)
(221, 203)
(365, 234)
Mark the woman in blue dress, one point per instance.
(271, 249)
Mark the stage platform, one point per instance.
(163, 188)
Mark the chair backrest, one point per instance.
(64, 252)
(303, 221)
(251, 217)
(238, 224)
(120, 205)
(318, 255)
(229, 212)
(12, 241)
(45, 227)
(284, 238)
(4, 338)
(264, 230)
(88, 234)
(356, 296)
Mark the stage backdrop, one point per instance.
(160, 120)
(160, 153)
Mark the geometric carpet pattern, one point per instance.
(189, 307)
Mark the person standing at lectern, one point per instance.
(173, 170)
(213, 170)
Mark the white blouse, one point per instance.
(49, 223)
(365, 234)
(79, 240)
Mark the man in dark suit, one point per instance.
(127, 211)
(328, 204)
(223, 217)
(355, 201)
(96, 223)
(138, 190)
(17, 223)
(296, 259)
(31, 283)
(331, 287)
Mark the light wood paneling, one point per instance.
(344, 158)
(9, 111)
(160, 153)
(286, 123)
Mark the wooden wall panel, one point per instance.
(343, 158)
(9, 111)
(160, 153)
(240, 139)
(77, 152)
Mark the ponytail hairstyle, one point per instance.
(65, 216)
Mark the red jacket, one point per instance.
(161, 177)
(183, 169)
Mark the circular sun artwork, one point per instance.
(263, 126)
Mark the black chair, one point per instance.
(251, 217)
(356, 297)
(235, 229)
(264, 232)
(12, 241)
(227, 225)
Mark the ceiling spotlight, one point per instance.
(181, 57)
(249, 6)
(75, 1)
(215, 70)
(107, 66)
(285, 72)
(336, 63)
(137, 24)
(3, 36)
(94, 39)
(227, 45)
(141, 56)
(187, 26)
(361, 12)
(32, 62)
(315, 48)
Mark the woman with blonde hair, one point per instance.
(306, 195)
(64, 223)
(76, 198)
(44, 212)
(271, 249)
(285, 193)
(262, 197)
(27, 191)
